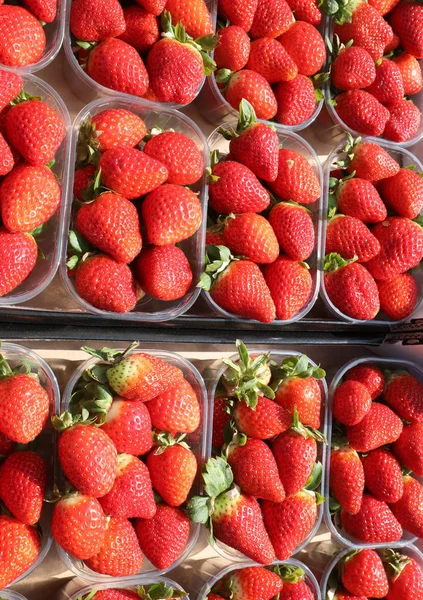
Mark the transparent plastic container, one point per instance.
(383, 363)
(309, 578)
(131, 584)
(50, 240)
(87, 89)
(404, 158)
(291, 141)
(278, 356)
(11, 595)
(46, 445)
(410, 551)
(192, 375)
(147, 309)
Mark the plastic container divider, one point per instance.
(131, 583)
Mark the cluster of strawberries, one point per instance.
(155, 49)
(376, 48)
(277, 72)
(370, 445)
(258, 226)
(155, 591)
(367, 270)
(120, 507)
(107, 234)
(259, 489)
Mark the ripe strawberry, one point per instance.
(305, 45)
(35, 130)
(94, 20)
(359, 198)
(11, 85)
(404, 394)
(370, 376)
(401, 242)
(408, 510)
(296, 179)
(398, 296)
(406, 578)
(254, 88)
(142, 29)
(264, 422)
(155, 7)
(296, 591)
(118, 66)
(352, 69)
(351, 402)
(347, 479)
(406, 20)
(83, 178)
(238, 12)
(18, 255)
(290, 285)
(255, 470)
(383, 7)
(360, 111)
(306, 10)
(296, 100)
(288, 523)
(128, 425)
(106, 284)
(214, 238)
(370, 161)
(171, 214)
(193, 15)
(270, 59)
(120, 554)
(388, 85)
(363, 574)
(179, 154)
(379, 427)
(79, 525)
(271, 19)
(116, 594)
(373, 524)
(176, 410)
(220, 420)
(235, 189)
(294, 229)
(254, 582)
(6, 157)
(411, 73)
(20, 546)
(404, 121)
(349, 237)
(251, 235)
(214, 597)
(403, 193)
(342, 594)
(164, 537)
(131, 172)
(383, 475)
(164, 272)
(409, 448)
(233, 49)
(23, 478)
(114, 127)
(23, 40)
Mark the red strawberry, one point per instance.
(20, 548)
(6, 157)
(251, 235)
(411, 73)
(128, 425)
(373, 524)
(290, 286)
(179, 154)
(164, 537)
(116, 594)
(406, 578)
(393, 44)
(214, 597)
(408, 510)
(296, 179)
(379, 427)
(406, 20)
(305, 45)
(155, 7)
(360, 111)
(253, 582)
(118, 66)
(83, 178)
(142, 29)
(403, 193)
(398, 296)
(383, 6)
(409, 448)
(342, 594)
(306, 10)
(363, 574)
(18, 255)
(264, 422)
(164, 272)
(120, 554)
(79, 525)
(130, 172)
(404, 121)
(294, 229)
(370, 376)
(271, 19)
(270, 59)
(11, 85)
(352, 69)
(115, 127)
(404, 394)
(220, 420)
(296, 100)
(214, 238)
(23, 40)
(239, 12)
(233, 49)
(251, 86)
(176, 410)
(370, 161)
(349, 237)
(296, 591)
(347, 479)
(351, 402)
(96, 20)
(383, 475)
(388, 85)
(359, 198)
(193, 15)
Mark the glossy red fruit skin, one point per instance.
(172, 473)
(398, 296)
(11, 85)
(349, 237)
(237, 190)
(266, 421)
(176, 409)
(18, 255)
(379, 427)
(295, 457)
(270, 59)
(353, 291)
(372, 162)
(238, 12)
(291, 591)
(194, 16)
(164, 272)
(304, 394)
(360, 111)
(82, 179)
(306, 10)
(233, 49)
(347, 479)
(220, 419)
(271, 19)
(364, 575)
(383, 475)
(294, 229)
(408, 510)
(23, 40)
(20, 548)
(408, 584)
(404, 394)
(370, 376)
(142, 30)
(351, 402)
(406, 21)
(374, 523)
(359, 198)
(96, 20)
(353, 69)
(411, 73)
(116, 127)
(306, 46)
(128, 425)
(252, 236)
(404, 121)
(388, 86)
(296, 100)
(342, 594)
(180, 155)
(254, 88)
(6, 157)
(251, 582)
(409, 448)
(403, 193)
(154, 7)
(290, 284)
(296, 178)
(257, 148)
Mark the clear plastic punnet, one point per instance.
(131, 584)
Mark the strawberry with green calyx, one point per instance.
(251, 86)
(194, 16)
(367, 159)
(405, 576)
(294, 584)
(357, 198)
(251, 583)
(264, 421)
(363, 574)
(159, 591)
(233, 518)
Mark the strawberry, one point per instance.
(401, 242)
(406, 21)
(176, 410)
(220, 420)
(388, 85)
(288, 523)
(296, 100)
(111, 224)
(155, 7)
(290, 285)
(113, 127)
(106, 284)
(409, 448)
(347, 479)
(262, 482)
(214, 238)
(363, 574)
(23, 40)
(142, 29)
(351, 402)
(233, 49)
(171, 214)
(44, 10)
(180, 155)
(164, 272)
(23, 478)
(369, 161)
(270, 59)
(358, 198)
(131, 172)
(248, 377)
(193, 15)
(370, 376)
(296, 591)
(360, 111)
(234, 188)
(294, 229)
(128, 425)
(306, 10)
(383, 475)
(393, 44)
(238, 12)
(264, 422)
(408, 510)
(214, 597)
(18, 255)
(79, 525)
(411, 73)
(342, 594)
(254, 583)
(251, 235)
(305, 45)
(405, 577)
(120, 554)
(6, 157)
(373, 524)
(351, 288)
(11, 85)
(380, 426)
(251, 86)
(398, 296)
(35, 130)
(296, 180)
(164, 537)
(94, 21)
(353, 68)
(403, 193)
(383, 6)
(271, 19)
(20, 546)
(348, 236)
(404, 121)
(404, 394)
(118, 66)
(83, 178)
